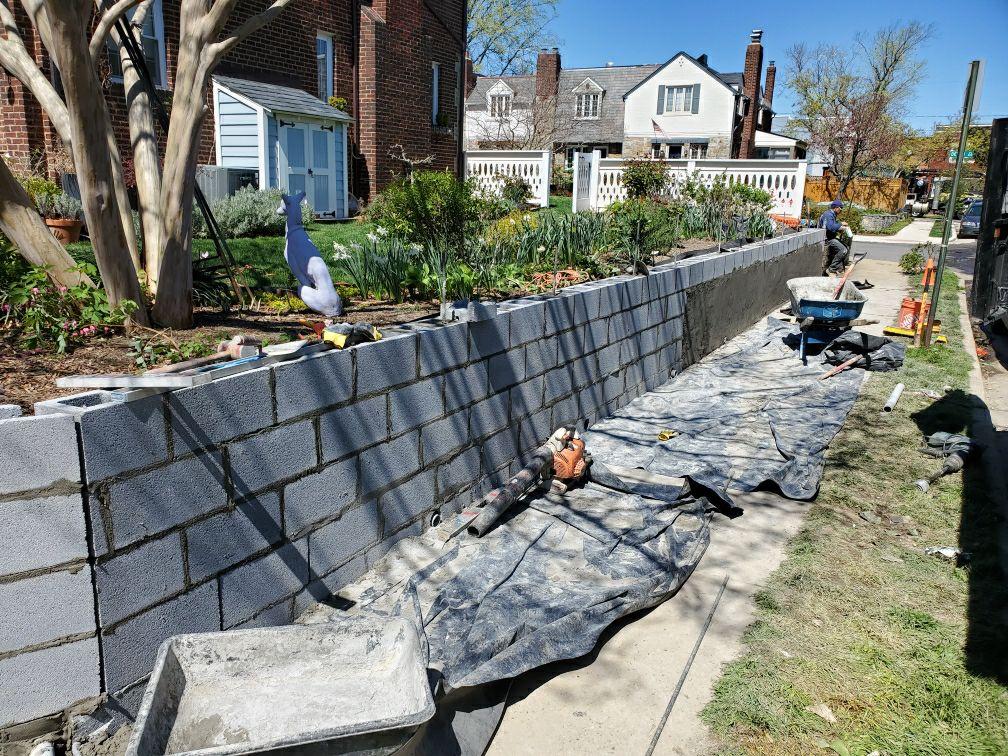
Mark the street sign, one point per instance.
(967, 156)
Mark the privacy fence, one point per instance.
(488, 169)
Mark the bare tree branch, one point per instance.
(218, 50)
(105, 24)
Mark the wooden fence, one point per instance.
(880, 193)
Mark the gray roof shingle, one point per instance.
(277, 98)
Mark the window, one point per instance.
(588, 105)
(151, 43)
(698, 151)
(435, 91)
(603, 152)
(324, 65)
(679, 99)
(500, 105)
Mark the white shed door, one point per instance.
(307, 164)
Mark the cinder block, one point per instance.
(614, 386)
(221, 410)
(681, 277)
(337, 542)
(273, 616)
(465, 386)
(270, 457)
(256, 585)
(609, 359)
(630, 351)
(168, 496)
(10, 411)
(719, 266)
(223, 540)
(443, 348)
(444, 436)
(506, 369)
(130, 649)
(385, 363)
(412, 406)
(377, 552)
(322, 589)
(49, 680)
(356, 426)
(527, 323)
(540, 356)
(383, 464)
(676, 305)
(538, 427)
(45, 607)
(634, 292)
(459, 472)
(527, 397)
(139, 578)
(501, 448)
(583, 370)
(407, 502)
(311, 383)
(42, 532)
(315, 497)
(570, 344)
(594, 335)
(121, 437)
(37, 452)
(567, 413)
(586, 305)
(489, 337)
(489, 416)
(558, 384)
(559, 313)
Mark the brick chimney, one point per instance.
(771, 77)
(751, 76)
(547, 73)
(470, 76)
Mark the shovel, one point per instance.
(843, 281)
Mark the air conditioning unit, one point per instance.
(219, 181)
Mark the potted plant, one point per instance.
(62, 214)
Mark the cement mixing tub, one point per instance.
(822, 318)
(355, 686)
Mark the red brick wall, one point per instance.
(751, 76)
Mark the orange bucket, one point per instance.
(910, 313)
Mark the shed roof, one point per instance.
(280, 99)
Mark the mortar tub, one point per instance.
(355, 686)
(812, 297)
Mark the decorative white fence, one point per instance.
(598, 182)
(488, 169)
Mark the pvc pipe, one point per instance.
(893, 398)
(45, 748)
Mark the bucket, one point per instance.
(910, 313)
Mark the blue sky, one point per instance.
(595, 32)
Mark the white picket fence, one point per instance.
(488, 169)
(598, 181)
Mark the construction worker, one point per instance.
(837, 253)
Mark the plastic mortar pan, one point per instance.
(355, 685)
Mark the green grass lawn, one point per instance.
(937, 228)
(891, 229)
(905, 649)
(560, 204)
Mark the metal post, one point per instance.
(971, 91)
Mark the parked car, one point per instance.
(970, 225)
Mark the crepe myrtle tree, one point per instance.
(75, 34)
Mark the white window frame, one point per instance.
(330, 85)
(435, 91)
(157, 19)
(499, 105)
(679, 99)
(588, 106)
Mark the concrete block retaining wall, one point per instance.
(240, 502)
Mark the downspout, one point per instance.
(355, 44)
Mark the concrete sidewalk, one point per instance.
(612, 701)
(918, 232)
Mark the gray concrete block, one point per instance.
(528, 323)
(583, 370)
(710, 269)
(443, 348)
(567, 413)
(412, 406)
(676, 305)
(337, 542)
(315, 497)
(621, 325)
(614, 385)
(45, 607)
(609, 359)
(139, 578)
(273, 616)
(263, 582)
(322, 589)
(278, 454)
(221, 410)
(129, 650)
(168, 496)
(42, 532)
(558, 384)
(37, 452)
(489, 337)
(538, 427)
(385, 363)
(465, 386)
(220, 542)
(489, 416)
(348, 429)
(407, 502)
(570, 344)
(594, 335)
(612, 298)
(586, 305)
(311, 383)
(10, 411)
(377, 552)
(540, 356)
(720, 265)
(506, 369)
(459, 472)
(383, 464)
(444, 436)
(635, 292)
(49, 680)
(121, 437)
(501, 448)
(527, 397)
(559, 312)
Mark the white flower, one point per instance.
(527, 217)
(373, 238)
(381, 231)
(514, 222)
(340, 252)
(542, 249)
(416, 247)
(204, 255)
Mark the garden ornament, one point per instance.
(315, 284)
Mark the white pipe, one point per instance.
(45, 748)
(893, 398)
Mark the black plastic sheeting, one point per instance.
(877, 353)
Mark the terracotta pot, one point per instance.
(65, 231)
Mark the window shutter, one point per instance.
(696, 98)
(661, 99)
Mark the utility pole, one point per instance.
(968, 102)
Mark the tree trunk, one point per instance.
(90, 127)
(123, 203)
(21, 223)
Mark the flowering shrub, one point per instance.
(37, 312)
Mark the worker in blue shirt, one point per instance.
(837, 253)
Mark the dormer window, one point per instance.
(587, 100)
(499, 100)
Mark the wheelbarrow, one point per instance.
(822, 318)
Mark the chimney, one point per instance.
(702, 59)
(547, 73)
(470, 76)
(771, 76)
(752, 74)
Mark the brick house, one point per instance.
(682, 108)
(395, 63)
